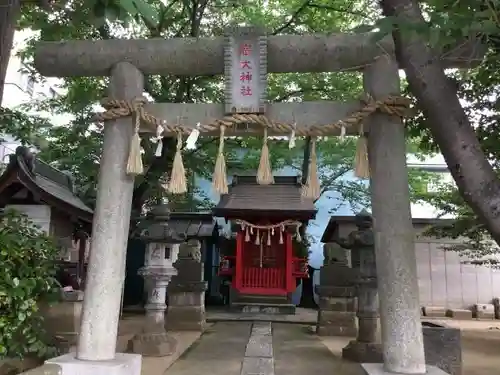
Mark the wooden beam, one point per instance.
(205, 56)
(304, 114)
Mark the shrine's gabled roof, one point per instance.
(52, 186)
(281, 199)
(163, 225)
(193, 224)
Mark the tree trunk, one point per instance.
(9, 13)
(448, 122)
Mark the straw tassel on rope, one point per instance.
(177, 183)
(361, 166)
(134, 162)
(312, 187)
(265, 173)
(219, 178)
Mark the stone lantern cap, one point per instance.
(155, 227)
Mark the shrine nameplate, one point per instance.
(245, 66)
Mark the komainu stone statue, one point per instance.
(193, 250)
(362, 238)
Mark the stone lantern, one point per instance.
(365, 348)
(162, 247)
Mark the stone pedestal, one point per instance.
(186, 291)
(336, 315)
(154, 341)
(122, 364)
(63, 318)
(366, 348)
(379, 369)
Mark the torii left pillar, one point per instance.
(96, 351)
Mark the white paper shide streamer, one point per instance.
(193, 138)
(291, 138)
(159, 146)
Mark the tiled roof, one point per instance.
(282, 197)
(54, 186)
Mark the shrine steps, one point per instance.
(263, 308)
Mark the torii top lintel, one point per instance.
(205, 56)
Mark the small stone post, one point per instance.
(336, 315)
(158, 270)
(402, 339)
(106, 268)
(186, 291)
(366, 348)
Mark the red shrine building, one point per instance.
(267, 257)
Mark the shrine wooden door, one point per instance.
(262, 266)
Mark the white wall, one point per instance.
(446, 279)
(38, 214)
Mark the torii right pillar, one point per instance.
(402, 339)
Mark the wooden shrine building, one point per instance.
(46, 195)
(269, 222)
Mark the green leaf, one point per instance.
(146, 10)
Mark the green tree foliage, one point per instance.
(76, 146)
(27, 277)
(478, 91)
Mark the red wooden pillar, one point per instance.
(238, 273)
(290, 282)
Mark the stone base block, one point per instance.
(123, 364)
(434, 311)
(363, 352)
(185, 318)
(153, 344)
(483, 311)
(336, 323)
(62, 318)
(263, 308)
(378, 369)
(459, 314)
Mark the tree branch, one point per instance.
(328, 183)
(293, 18)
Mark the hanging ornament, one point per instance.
(268, 238)
(265, 173)
(193, 138)
(257, 238)
(291, 138)
(299, 237)
(312, 187)
(281, 235)
(251, 230)
(159, 146)
(219, 178)
(177, 183)
(247, 235)
(342, 133)
(361, 165)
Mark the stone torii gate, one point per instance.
(127, 61)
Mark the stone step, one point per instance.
(263, 308)
(256, 298)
